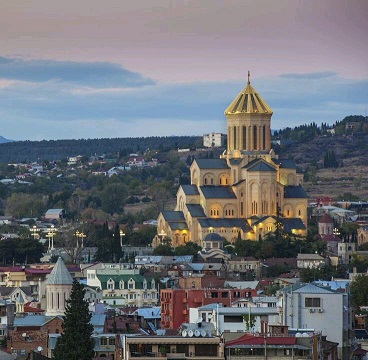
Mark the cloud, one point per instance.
(310, 76)
(89, 74)
(55, 110)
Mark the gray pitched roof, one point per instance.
(217, 192)
(225, 223)
(307, 289)
(195, 210)
(211, 163)
(213, 237)
(292, 223)
(259, 165)
(178, 225)
(59, 275)
(294, 192)
(190, 189)
(173, 215)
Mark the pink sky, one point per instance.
(117, 68)
(187, 41)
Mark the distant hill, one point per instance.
(29, 151)
(3, 140)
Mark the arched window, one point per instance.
(110, 284)
(254, 137)
(244, 137)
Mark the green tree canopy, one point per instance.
(76, 343)
(359, 291)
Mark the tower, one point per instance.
(248, 122)
(58, 288)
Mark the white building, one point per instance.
(122, 285)
(319, 308)
(214, 140)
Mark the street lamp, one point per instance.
(121, 233)
(50, 235)
(81, 235)
(34, 231)
(336, 232)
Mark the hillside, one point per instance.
(351, 155)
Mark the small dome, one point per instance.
(213, 237)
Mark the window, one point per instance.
(103, 341)
(111, 341)
(110, 284)
(312, 302)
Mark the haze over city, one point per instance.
(92, 69)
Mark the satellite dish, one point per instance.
(197, 333)
(184, 333)
(40, 348)
(190, 333)
(203, 333)
(298, 334)
(24, 335)
(305, 334)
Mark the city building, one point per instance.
(214, 140)
(247, 192)
(320, 308)
(176, 303)
(122, 285)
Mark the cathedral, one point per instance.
(245, 193)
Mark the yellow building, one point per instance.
(239, 193)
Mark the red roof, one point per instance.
(250, 340)
(330, 237)
(11, 269)
(326, 219)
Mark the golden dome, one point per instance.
(248, 101)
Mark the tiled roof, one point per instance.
(173, 215)
(225, 223)
(326, 219)
(178, 225)
(292, 223)
(211, 163)
(249, 340)
(294, 192)
(195, 210)
(303, 288)
(213, 237)
(285, 163)
(59, 275)
(138, 279)
(217, 192)
(260, 166)
(190, 189)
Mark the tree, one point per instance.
(359, 291)
(76, 343)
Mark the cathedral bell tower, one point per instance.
(248, 123)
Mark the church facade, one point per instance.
(247, 192)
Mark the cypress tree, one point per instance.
(76, 342)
